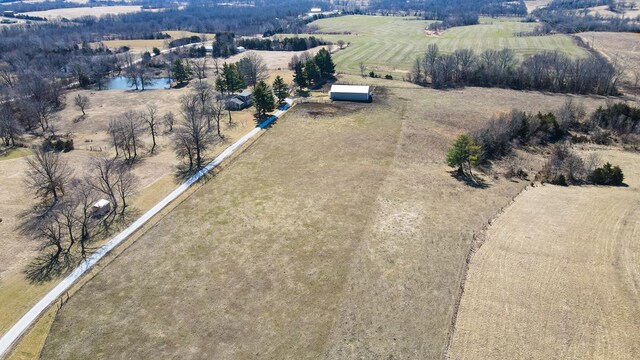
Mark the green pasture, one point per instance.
(391, 44)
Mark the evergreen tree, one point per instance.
(232, 78)
(299, 75)
(325, 63)
(263, 99)
(464, 153)
(312, 72)
(180, 72)
(280, 89)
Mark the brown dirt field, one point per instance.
(558, 275)
(340, 233)
(623, 48)
(72, 13)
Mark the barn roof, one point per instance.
(352, 89)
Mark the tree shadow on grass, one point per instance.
(474, 182)
(184, 173)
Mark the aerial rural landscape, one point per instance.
(334, 179)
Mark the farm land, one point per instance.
(622, 48)
(558, 275)
(265, 253)
(391, 44)
(72, 13)
(344, 223)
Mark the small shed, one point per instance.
(101, 208)
(8, 13)
(241, 49)
(350, 93)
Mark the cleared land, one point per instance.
(72, 13)
(606, 12)
(391, 44)
(558, 276)
(622, 48)
(535, 4)
(340, 234)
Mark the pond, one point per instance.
(122, 83)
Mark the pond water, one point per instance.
(122, 83)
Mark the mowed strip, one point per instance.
(558, 276)
(391, 44)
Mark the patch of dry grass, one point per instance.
(558, 275)
(72, 13)
(621, 48)
(340, 233)
(156, 174)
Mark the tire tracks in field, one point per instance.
(478, 239)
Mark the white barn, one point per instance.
(350, 93)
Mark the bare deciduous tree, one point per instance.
(48, 174)
(199, 67)
(113, 179)
(10, 128)
(125, 134)
(81, 102)
(193, 137)
(253, 69)
(169, 119)
(151, 117)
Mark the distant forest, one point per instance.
(50, 51)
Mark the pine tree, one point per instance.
(299, 75)
(464, 153)
(312, 72)
(280, 89)
(180, 72)
(232, 78)
(325, 63)
(263, 99)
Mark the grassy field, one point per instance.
(558, 276)
(391, 44)
(340, 234)
(72, 13)
(155, 172)
(534, 4)
(622, 48)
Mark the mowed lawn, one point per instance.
(391, 44)
(339, 234)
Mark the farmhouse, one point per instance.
(350, 93)
(240, 101)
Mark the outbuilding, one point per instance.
(350, 93)
(101, 208)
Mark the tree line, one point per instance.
(311, 71)
(443, 9)
(498, 139)
(285, 44)
(547, 71)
